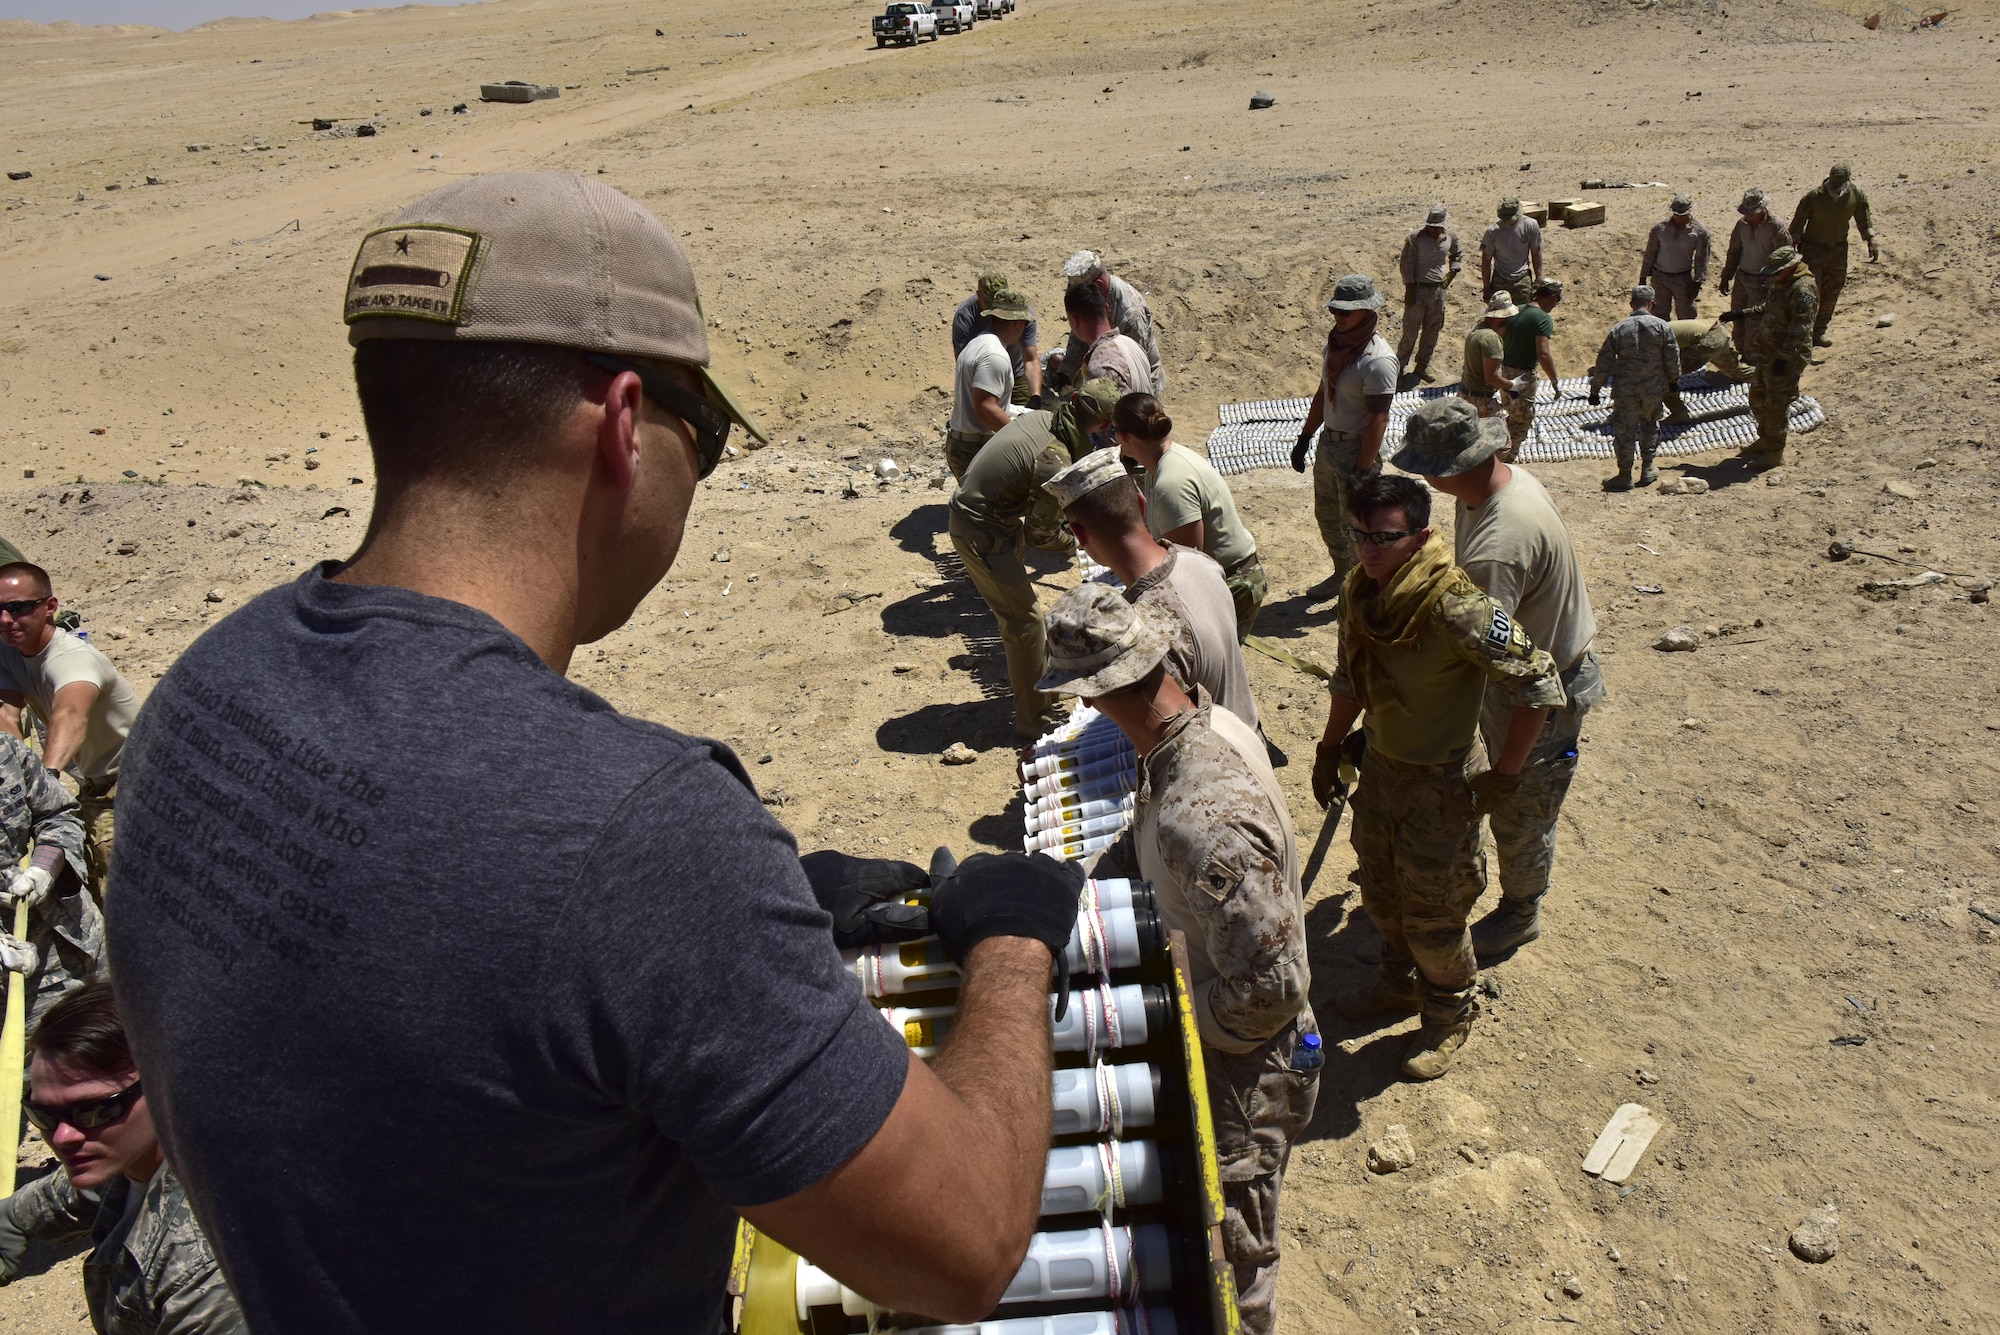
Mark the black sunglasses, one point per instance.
(710, 423)
(21, 607)
(87, 1115)
(1387, 537)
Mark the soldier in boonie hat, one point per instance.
(546, 258)
(1007, 304)
(1779, 260)
(1099, 643)
(1509, 206)
(1444, 437)
(1676, 260)
(990, 282)
(1355, 292)
(1682, 205)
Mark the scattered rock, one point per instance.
(902, 669)
(1818, 1236)
(1573, 1287)
(234, 530)
(216, 594)
(1646, 1077)
(1885, 320)
(1394, 1152)
(958, 753)
(1775, 478)
(1684, 486)
(721, 557)
(129, 547)
(1926, 463)
(102, 277)
(1679, 640)
(1897, 487)
(1261, 100)
(764, 759)
(19, 176)
(118, 632)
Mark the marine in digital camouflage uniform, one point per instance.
(1642, 363)
(149, 1271)
(1819, 230)
(1779, 348)
(1210, 832)
(65, 928)
(1418, 646)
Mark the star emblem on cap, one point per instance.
(403, 245)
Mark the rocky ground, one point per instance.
(1764, 920)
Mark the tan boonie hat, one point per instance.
(1097, 398)
(1500, 306)
(1437, 217)
(1099, 468)
(1099, 643)
(1008, 305)
(534, 257)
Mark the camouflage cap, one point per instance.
(1096, 398)
(1007, 304)
(1099, 468)
(990, 282)
(1839, 171)
(1643, 295)
(1754, 199)
(1099, 643)
(1548, 287)
(1781, 259)
(1510, 206)
(1445, 437)
(1355, 292)
(1501, 307)
(1082, 267)
(1683, 204)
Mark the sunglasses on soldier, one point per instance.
(18, 608)
(710, 423)
(86, 1115)
(1387, 537)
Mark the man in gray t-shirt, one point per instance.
(467, 1002)
(1510, 254)
(984, 383)
(967, 324)
(1356, 384)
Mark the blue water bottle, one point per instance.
(1307, 1056)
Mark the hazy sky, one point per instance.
(173, 13)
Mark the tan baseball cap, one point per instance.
(534, 257)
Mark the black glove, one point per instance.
(865, 897)
(1596, 394)
(1034, 402)
(1010, 894)
(1299, 451)
(1779, 366)
(1731, 317)
(1335, 765)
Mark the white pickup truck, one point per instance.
(992, 9)
(955, 15)
(907, 22)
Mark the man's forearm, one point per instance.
(11, 721)
(66, 733)
(1372, 432)
(1340, 715)
(1524, 729)
(1031, 366)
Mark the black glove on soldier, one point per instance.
(865, 897)
(1010, 894)
(1299, 451)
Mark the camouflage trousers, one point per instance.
(1487, 404)
(1828, 265)
(994, 560)
(959, 449)
(1260, 1105)
(1247, 589)
(1422, 866)
(1748, 290)
(1520, 410)
(1336, 473)
(1521, 287)
(1423, 321)
(1634, 417)
(99, 828)
(1673, 292)
(1715, 349)
(1524, 826)
(1771, 407)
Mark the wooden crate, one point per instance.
(1584, 215)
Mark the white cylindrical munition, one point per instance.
(1093, 1263)
(1116, 892)
(1157, 1321)
(1067, 838)
(1108, 938)
(1084, 1179)
(1096, 1100)
(1046, 815)
(1136, 1012)
(1113, 773)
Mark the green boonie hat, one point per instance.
(1097, 398)
(1510, 206)
(1784, 257)
(1445, 437)
(1099, 468)
(1840, 169)
(534, 257)
(1008, 305)
(1355, 292)
(1682, 204)
(991, 281)
(1099, 643)
(1753, 199)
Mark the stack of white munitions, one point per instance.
(1116, 1271)
(1077, 787)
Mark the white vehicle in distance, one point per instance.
(907, 22)
(990, 9)
(955, 15)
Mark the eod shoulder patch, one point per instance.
(1505, 637)
(421, 272)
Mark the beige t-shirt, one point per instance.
(1517, 548)
(66, 660)
(1184, 487)
(1204, 652)
(1123, 360)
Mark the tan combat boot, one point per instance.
(1390, 994)
(1648, 474)
(1434, 1048)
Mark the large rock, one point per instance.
(1818, 1235)
(1679, 640)
(1394, 1152)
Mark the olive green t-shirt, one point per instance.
(1481, 343)
(1184, 487)
(1532, 323)
(1004, 482)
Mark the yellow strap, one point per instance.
(1288, 658)
(13, 1056)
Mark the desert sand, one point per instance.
(1774, 842)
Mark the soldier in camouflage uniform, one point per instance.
(1819, 230)
(1779, 347)
(1418, 644)
(149, 1271)
(66, 931)
(1210, 832)
(1000, 510)
(1642, 362)
(1702, 343)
